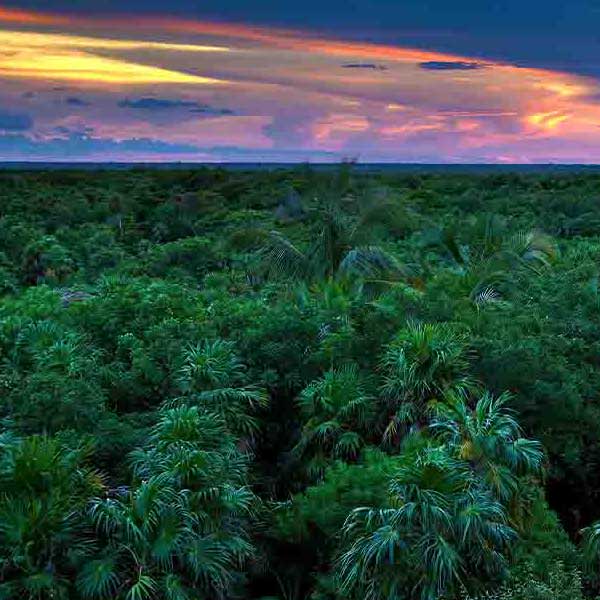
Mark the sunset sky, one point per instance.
(263, 81)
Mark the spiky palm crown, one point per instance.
(419, 365)
(45, 535)
(213, 377)
(448, 522)
(341, 247)
(183, 527)
(336, 410)
(490, 255)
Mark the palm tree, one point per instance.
(490, 439)
(421, 363)
(342, 246)
(489, 256)
(58, 383)
(590, 543)
(336, 410)
(184, 526)
(442, 528)
(44, 531)
(447, 517)
(212, 377)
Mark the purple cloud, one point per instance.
(451, 65)
(10, 121)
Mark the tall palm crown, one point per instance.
(447, 521)
(212, 377)
(336, 409)
(420, 364)
(184, 527)
(489, 255)
(342, 245)
(45, 535)
(490, 439)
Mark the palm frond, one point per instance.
(281, 258)
(144, 588)
(98, 579)
(371, 262)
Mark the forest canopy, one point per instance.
(299, 384)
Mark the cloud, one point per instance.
(78, 145)
(74, 101)
(211, 110)
(266, 155)
(451, 65)
(83, 131)
(66, 57)
(372, 66)
(155, 103)
(166, 104)
(15, 121)
(291, 90)
(591, 98)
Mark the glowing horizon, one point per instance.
(158, 88)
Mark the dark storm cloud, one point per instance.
(452, 65)
(166, 104)
(10, 121)
(372, 66)
(406, 14)
(74, 101)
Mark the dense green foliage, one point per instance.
(299, 384)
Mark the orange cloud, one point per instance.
(547, 120)
(410, 129)
(62, 57)
(82, 68)
(282, 38)
(297, 40)
(63, 41)
(9, 15)
(339, 124)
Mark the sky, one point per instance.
(430, 81)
